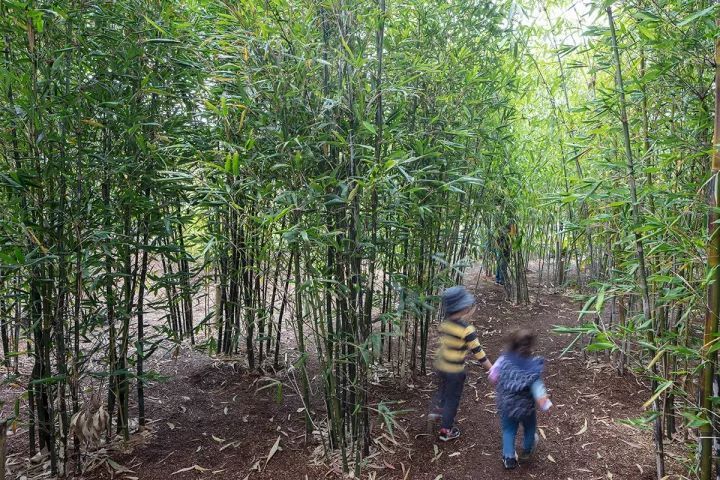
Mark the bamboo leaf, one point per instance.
(697, 15)
(369, 127)
(661, 388)
(167, 41)
(273, 450)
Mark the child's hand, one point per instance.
(544, 403)
(487, 365)
(494, 375)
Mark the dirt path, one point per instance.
(582, 435)
(208, 421)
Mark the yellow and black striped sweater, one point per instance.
(456, 338)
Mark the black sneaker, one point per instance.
(510, 463)
(447, 435)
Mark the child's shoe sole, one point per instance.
(451, 435)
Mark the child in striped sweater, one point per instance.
(457, 339)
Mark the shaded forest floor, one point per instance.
(209, 421)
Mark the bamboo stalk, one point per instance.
(3, 443)
(713, 290)
(639, 247)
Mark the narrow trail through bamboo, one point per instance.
(210, 415)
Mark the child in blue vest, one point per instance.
(518, 376)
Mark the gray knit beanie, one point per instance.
(455, 299)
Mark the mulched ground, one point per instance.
(209, 420)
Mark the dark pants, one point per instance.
(447, 397)
(509, 432)
(501, 272)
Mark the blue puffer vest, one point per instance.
(516, 375)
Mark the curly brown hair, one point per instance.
(521, 342)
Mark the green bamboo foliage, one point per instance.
(310, 169)
(243, 178)
(363, 200)
(632, 212)
(88, 154)
(709, 376)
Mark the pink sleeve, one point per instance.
(495, 371)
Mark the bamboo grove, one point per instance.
(630, 221)
(298, 167)
(237, 177)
